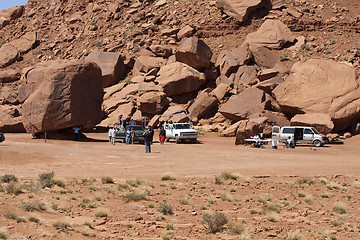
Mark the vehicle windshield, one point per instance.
(315, 131)
(182, 126)
(136, 128)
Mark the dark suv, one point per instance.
(138, 135)
(2, 137)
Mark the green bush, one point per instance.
(13, 187)
(35, 206)
(106, 180)
(61, 225)
(9, 178)
(214, 222)
(46, 179)
(136, 195)
(165, 209)
(34, 219)
(168, 177)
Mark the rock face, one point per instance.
(8, 55)
(272, 34)
(248, 104)
(322, 122)
(194, 52)
(68, 93)
(202, 104)
(111, 64)
(10, 14)
(178, 78)
(239, 9)
(153, 102)
(321, 86)
(10, 119)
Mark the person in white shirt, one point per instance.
(113, 135)
(110, 134)
(275, 143)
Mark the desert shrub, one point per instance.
(304, 47)
(165, 209)
(13, 187)
(9, 178)
(35, 206)
(159, 217)
(168, 177)
(200, 131)
(58, 183)
(105, 180)
(323, 180)
(101, 214)
(10, 215)
(61, 225)
(135, 182)
(305, 180)
(89, 225)
(309, 199)
(301, 194)
(34, 219)
(356, 184)
(272, 207)
(3, 236)
(294, 235)
(46, 179)
(237, 227)
(339, 207)
(214, 223)
(135, 195)
(169, 227)
(284, 55)
(333, 185)
(227, 175)
(98, 44)
(166, 237)
(218, 181)
(325, 195)
(332, 42)
(264, 198)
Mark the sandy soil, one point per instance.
(302, 193)
(26, 157)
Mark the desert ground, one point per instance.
(301, 193)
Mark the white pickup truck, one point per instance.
(180, 132)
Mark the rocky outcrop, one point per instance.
(178, 78)
(272, 34)
(239, 9)
(153, 102)
(25, 43)
(229, 61)
(111, 64)
(201, 105)
(8, 55)
(249, 128)
(10, 119)
(321, 86)
(10, 14)
(68, 93)
(194, 52)
(248, 104)
(322, 122)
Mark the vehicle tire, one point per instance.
(177, 139)
(194, 140)
(317, 143)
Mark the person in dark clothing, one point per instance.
(152, 134)
(162, 135)
(147, 141)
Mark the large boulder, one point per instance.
(8, 95)
(229, 61)
(10, 119)
(111, 64)
(248, 104)
(202, 104)
(25, 43)
(263, 57)
(272, 34)
(231, 130)
(68, 93)
(9, 76)
(246, 75)
(161, 50)
(321, 121)
(178, 78)
(321, 86)
(153, 102)
(175, 113)
(194, 52)
(145, 64)
(8, 55)
(220, 91)
(240, 9)
(269, 85)
(249, 128)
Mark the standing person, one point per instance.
(132, 122)
(128, 136)
(113, 136)
(275, 143)
(76, 132)
(132, 135)
(162, 135)
(152, 134)
(110, 133)
(147, 141)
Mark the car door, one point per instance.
(275, 132)
(308, 135)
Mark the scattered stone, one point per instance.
(8, 55)
(153, 102)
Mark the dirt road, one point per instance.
(27, 157)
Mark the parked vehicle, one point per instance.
(2, 137)
(300, 134)
(138, 135)
(180, 132)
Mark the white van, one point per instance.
(300, 134)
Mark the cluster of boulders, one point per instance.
(239, 91)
